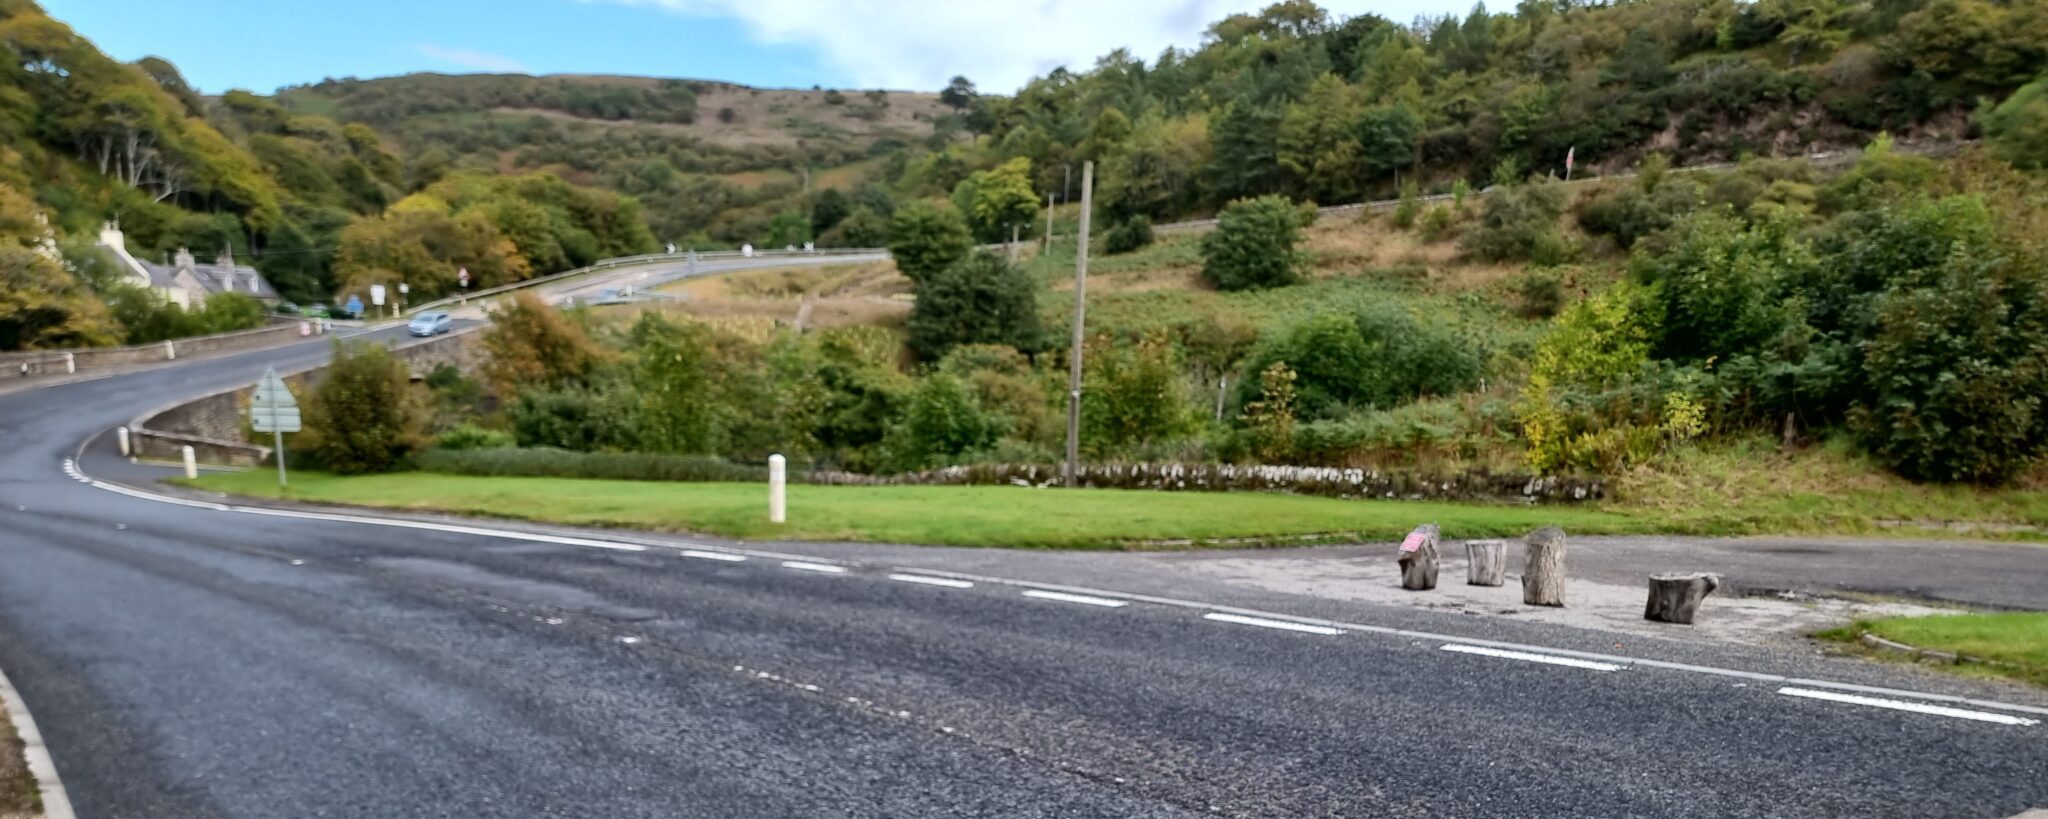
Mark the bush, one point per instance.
(1410, 207)
(557, 463)
(1128, 235)
(1539, 293)
(926, 239)
(1377, 357)
(1133, 395)
(1520, 222)
(576, 419)
(531, 345)
(1436, 223)
(980, 300)
(2018, 127)
(1253, 245)
(360, 417)
(1717, 284)
(941, 422)
(471, 436)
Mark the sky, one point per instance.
(896, 44)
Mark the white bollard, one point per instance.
(121, 433)
(778, 475)
(191, 464)
(170, 351)
(70, 363)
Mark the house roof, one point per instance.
(215, 278)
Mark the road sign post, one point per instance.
(273, 409)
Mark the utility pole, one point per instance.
(1013, 243)
(1067, 187)
(1080, 315)
(1048, 223)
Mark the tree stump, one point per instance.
(1488, 562)
(1419, 559)
(1543, 576)
(1674, 598)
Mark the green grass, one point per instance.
(935, 515)
(2014, 643)
(17, 786)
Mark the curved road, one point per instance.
(197, 660)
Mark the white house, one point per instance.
(185, 282)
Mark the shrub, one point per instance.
(1253, 245)
(926, 239)
(575, 418)
(1717, 285)
(1519, 222)
(359, 416)
(982, 299)
(1436, 222)
(1410, 207)
(2018, 127)
(941, 422)
(1132, 395)
(531, 345)
(1539, 293)
(557, 463)
(1128, 235)
(1377, 357)
(471, 436)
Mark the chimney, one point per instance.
(182, 261)
(110, 235)
(226, 259)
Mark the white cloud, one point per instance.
(1000, 45)
(473, 60)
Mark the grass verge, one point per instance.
(933, 515)
(2013, 645)
(18, 798)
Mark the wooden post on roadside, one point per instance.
(1419, 558)
(1487, 562)
(1675, 598)
(1543, 576)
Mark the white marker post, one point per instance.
(70, 362)
(191, 464)
(121, 434)
(778, 476)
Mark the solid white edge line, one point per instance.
(1265, 623)
(946, 582)
(704, 555)
(1901, 705)
(1529, 656)
(1082, 599)
(807, 566)
(41, 766)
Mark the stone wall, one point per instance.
(216, 425)
(14, 366)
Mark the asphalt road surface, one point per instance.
(198, 661)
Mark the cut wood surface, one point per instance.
(1487, 562)
(1419, 559)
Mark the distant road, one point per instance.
(194, 661)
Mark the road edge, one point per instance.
(56, 800)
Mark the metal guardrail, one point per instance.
(603, 265)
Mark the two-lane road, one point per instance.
(200, 662)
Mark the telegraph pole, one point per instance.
(1080, 315)
(1048, 223)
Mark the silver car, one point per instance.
(430, 324)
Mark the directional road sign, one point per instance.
(273, 409)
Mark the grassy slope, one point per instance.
(949, 515)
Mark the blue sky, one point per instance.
(263, 44)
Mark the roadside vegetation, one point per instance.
(2012, 645)
(18, 797)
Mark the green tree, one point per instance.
(1717, 284)
(1253, 245)
(995, 199)
(2018, 127)
(1246, 159)
(1386, 137)
(925, 239)
(360, 417)
(828, 209)
(1132, 395)
(1318, 144)
(861, 228)
(680, 407)
(42, 306)
(982, 299)
(941, 421)
(958, 94)
(789, 229)
(533, 346)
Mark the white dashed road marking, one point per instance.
(824, 568)
(1532, 657)
(1265, 623)
(1084, 600)
(932, 581)
(1915, 707)
(724, 556)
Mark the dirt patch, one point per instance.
(17, 787)
(1590, 604)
